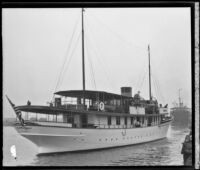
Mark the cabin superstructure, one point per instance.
(101, 110)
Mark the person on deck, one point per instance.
(187, 150)
(28, 103)
(51, 104)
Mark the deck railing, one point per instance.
(95, 107)
(94, 126)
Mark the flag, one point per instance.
(17, 112)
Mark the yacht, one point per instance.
(86, 119)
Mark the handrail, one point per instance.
(99, 126)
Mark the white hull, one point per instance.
(59, 139)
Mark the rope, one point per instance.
(119, 38)
(142, 80)
(66, 68)
(91, 68)
(113, 32)
(100, 61)
(159, 90)
(66, 54)
(155, 88)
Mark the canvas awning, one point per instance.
(89, 94)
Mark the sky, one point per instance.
(39, 44)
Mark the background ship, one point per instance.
(181, 114)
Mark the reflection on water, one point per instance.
(162, 152)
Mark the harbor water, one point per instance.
(162, 152)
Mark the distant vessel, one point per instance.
(181, 114)
(93, 119)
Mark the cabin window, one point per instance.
(117, 120)
(59, 118)
(131, 120)
(50, 118)
(142, 120)
(70, 119)
(42, 117)
(149, 121)
(125, 120)
(111, 102)
(109, 120)
(32, 116)
(84, 120)
(118, 102)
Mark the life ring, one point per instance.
(101, 106)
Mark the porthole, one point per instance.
(106, 139)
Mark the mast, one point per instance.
(83, 58)
(150, 97)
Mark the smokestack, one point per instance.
(126, 91)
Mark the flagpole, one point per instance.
(17, 111)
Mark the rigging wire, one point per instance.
(142, 86)
(117, 34)
(72, 53)
(66, 54)
(90, 62)
(105, 71)
(155, 89)
(91, 68)
(69, 59)
(99, 58)
(159, 90)
(141, 77)
(156, 84)
(142, 81)
(120, 38)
